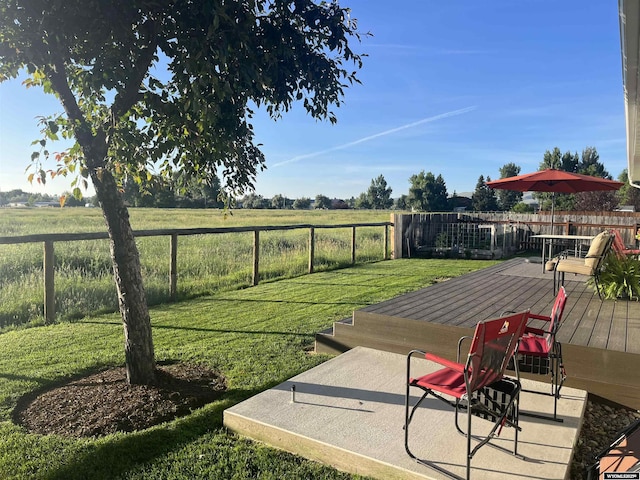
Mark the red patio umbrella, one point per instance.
(555, 181)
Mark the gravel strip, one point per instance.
(601, 424)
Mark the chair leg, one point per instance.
(556, 369)
(469, 454)
(560, 376)
(408, 416)
(516, 421)
(409, 412)
(595, 279)
(503, 419)
(556, 391)
(406, 421)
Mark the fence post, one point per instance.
(311, 248)
(49, 289)
(353, 245)
(398, 239)
(173, 267)
(256, 257)
(385, 255)
(493, 240)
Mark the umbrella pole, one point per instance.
(553, 205)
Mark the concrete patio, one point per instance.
(349, 413)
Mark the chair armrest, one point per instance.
(566, 254)
(455, 366)
(535, 331)
(462, 339)
(535, 316)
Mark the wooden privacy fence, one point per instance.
(412, 231)
(48, 241)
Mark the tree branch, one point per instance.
(127, 97)
(82, 129)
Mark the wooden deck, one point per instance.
(601, 340)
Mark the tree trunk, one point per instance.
(132, 300)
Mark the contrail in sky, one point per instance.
(376, 135)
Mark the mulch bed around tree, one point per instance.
(103, 402)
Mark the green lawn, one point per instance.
(258, 337)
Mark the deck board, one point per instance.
(618, 332)
(602, 327)
(633, 335)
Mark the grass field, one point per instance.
(206, 263)
(257, 337)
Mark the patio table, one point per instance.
(549, 239)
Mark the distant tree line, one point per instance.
(21, 197)
(179, 191)
(427, 192)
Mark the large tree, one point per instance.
(279, 201)
(427, 193)
(322, 202)
(302, 203)
(590, 164)
(363, 202)
(598, 201)
(567, 162)
(587, 164)
(507, 199)
(378, 194)
(169, 85)
(484, 198)
(402, 202)
(560, 161)
(628, 195)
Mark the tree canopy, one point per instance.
(176, 79)
(302, 203)
(507, 199)
(628, 195)
(322, 202)
(427, 193)
(162, 86)
(484, 198)
(587, 164)
(363, 202)
(378, 196)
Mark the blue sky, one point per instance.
(457, 88)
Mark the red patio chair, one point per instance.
(477, 386)
(540, 352)
(619, 247)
